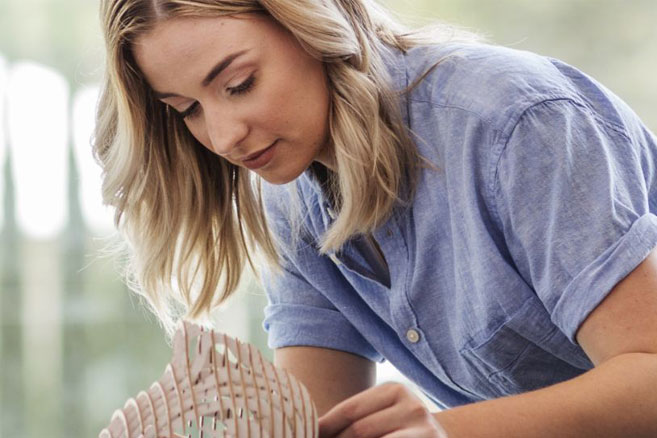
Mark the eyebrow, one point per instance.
(216, 70)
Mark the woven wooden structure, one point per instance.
(217, 386)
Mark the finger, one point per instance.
(354, 408)
(408, 412)
(377, 424)
(432, 429)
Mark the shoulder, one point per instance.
(490, 89)
(492, 82)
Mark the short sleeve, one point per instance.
(298, 313)
(573, 202)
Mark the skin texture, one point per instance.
(287, 101)
(343, 375)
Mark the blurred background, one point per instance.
(74, 343)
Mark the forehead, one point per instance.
(179, 49)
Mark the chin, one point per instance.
(280, 176)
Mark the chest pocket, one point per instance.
(526, 352)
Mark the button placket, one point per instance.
(389, 241)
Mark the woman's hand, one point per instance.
(390, 410)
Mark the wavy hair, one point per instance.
(190, 218)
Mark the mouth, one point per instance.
(257, 154)
(260, 158)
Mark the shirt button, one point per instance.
(413, 336)
(389, 232)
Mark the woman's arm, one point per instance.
(618, 398)
(329, 375)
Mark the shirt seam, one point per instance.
(449, 106)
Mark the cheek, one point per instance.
(299, 107)
(275, 110)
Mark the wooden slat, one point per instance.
(243, 393)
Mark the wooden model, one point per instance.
(216, 386)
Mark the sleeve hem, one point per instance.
(314, 327)
(596, 281)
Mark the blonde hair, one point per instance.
(191, 218)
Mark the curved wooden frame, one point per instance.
(217, 386)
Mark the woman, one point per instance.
(482, 218)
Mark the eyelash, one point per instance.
(242, 88)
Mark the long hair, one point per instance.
(190, 218)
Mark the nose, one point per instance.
(225, 130)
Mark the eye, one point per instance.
(244, 87)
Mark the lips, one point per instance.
(261, 158)
(257, 154)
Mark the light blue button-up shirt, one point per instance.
(545, 198)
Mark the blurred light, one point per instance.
(97, 216)
(38, 135)
(386, 372)
(3, 136)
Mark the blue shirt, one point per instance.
(545, 198)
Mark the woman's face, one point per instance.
(246, 89)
